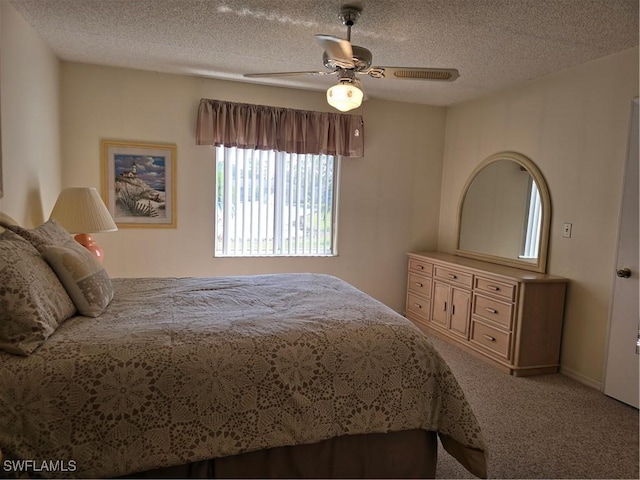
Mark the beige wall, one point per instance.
(29, 87)
(388, 200)
(574, 126)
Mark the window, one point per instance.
(272, 203)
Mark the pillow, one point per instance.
(84, 278)
(88, 285)
(43, 236)
(33, 302)
(5, 221)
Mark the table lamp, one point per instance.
(81, 211)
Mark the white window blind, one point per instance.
(534, 219)
(275, 203)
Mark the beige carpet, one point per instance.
(547, 426)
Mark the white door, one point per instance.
(621, 377)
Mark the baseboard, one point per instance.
(590, 382)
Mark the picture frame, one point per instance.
(139, 183)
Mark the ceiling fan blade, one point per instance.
(285, 74)
(338, 49)
(411, 73)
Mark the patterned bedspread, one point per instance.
(186, 369)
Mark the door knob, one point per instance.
(624, 273)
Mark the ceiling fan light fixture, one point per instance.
(345, 96)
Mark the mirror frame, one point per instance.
(526, 163)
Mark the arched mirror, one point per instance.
(504, 213)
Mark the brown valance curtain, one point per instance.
(283, 129)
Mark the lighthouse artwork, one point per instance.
(140, 195)
(140, 183)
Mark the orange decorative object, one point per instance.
(89, 243)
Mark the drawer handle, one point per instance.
(417, 305)
(491, 310)
(418, 284)
(420, 267)
(451, 275)
(493, 287)
(489, 337)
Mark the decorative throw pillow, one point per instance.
(33, 302)
(50, 233)
(85, 280)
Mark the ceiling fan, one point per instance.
(347, 61)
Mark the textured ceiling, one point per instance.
(493, 43)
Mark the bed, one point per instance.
(284, 375)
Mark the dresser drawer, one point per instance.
(420, 285)
(493, 310)
(420, 266)
(491, 339)
(453, 276)
(418, 308)
(505, 291)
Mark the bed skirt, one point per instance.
(408, 454)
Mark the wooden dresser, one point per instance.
(508, 316)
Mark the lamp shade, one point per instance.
(81, 210)
(344, 96)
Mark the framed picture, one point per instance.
(139, 183)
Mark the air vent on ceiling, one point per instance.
(423, 74)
